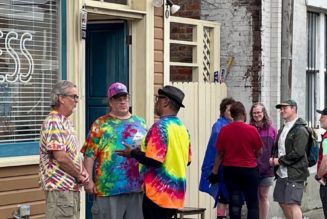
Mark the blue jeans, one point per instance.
(242, 181)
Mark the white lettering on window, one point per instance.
(17, 75)
(27, 76)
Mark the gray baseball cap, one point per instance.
(286, 103)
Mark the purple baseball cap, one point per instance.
(116, 88)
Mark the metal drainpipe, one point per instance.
(286, 49)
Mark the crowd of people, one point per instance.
(248, 157)
(135, 172)
(132, 172)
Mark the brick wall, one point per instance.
(251, 32)
(241, 38)
(189, 9)
(240, 29)
(271, 56)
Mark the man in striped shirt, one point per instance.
(61, 170)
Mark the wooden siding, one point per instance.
(158, 48)
(19, 185)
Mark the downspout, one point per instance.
(286, 49)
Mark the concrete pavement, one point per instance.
(313, 214)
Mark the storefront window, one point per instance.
(29, 66)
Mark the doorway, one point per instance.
(106, 62)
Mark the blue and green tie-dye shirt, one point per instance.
(114, 174)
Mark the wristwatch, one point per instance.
(317, 177)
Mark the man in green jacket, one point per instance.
(290, 161)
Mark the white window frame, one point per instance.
(315, 98)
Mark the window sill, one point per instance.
(19, 161)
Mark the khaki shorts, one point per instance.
(62, 204)
(288, 192)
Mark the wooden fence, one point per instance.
(201, 111)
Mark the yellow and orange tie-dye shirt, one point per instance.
(168, 142)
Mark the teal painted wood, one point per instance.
(63, 39)
(106, 63)
(19, 149)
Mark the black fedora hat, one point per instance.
(173, 93)
(322, 112)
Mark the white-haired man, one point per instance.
(61, 169)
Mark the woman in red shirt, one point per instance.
(239, 144)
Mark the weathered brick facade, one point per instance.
(240, 38)
(189, 8)
(251, 33)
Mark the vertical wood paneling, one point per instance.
(201, 111)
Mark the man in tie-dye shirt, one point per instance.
(61, 169)
(165, 154)
(118, 183)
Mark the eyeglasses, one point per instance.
(73, 96)
(157, 97)
(123, 98)
(255, 113)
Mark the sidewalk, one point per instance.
(313, 214)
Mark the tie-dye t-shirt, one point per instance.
(58, 134)
(115, 174)
(168, 142)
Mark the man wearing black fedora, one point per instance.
(321, 176)
(165, 154)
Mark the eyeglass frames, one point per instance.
(122, 98)
(157, 97)
(73, 96)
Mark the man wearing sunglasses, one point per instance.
(165, 154)
(61, 169)
(118, 185)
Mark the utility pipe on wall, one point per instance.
(286, 49)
